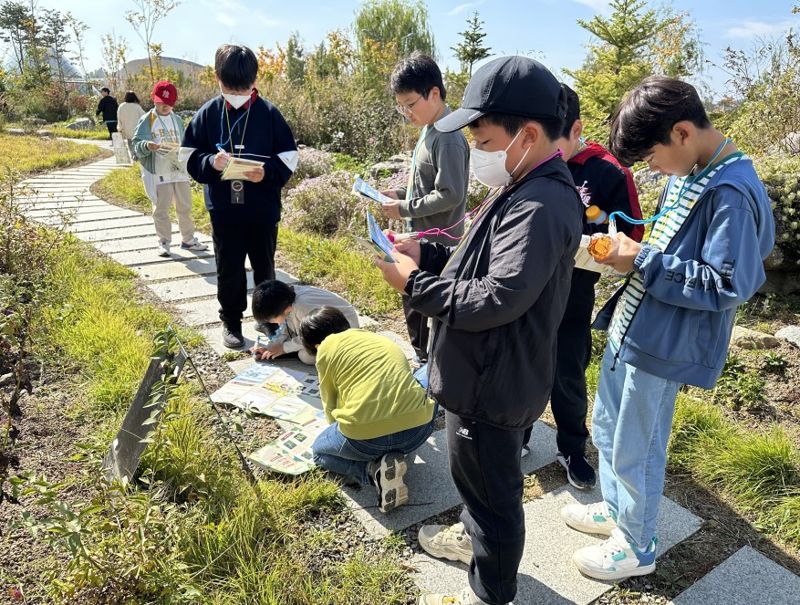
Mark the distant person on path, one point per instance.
(244, 213)
(287, 305)
(128, 116)
(378, 412)
(671, 322)
(436, 193)
(108, 107)
(156, 142)
(496, 300)
(607, 186)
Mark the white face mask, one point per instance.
(236, 101)
(489, 167)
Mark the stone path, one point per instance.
(187, 281)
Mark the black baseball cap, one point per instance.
(514, 85)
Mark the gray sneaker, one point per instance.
(387, 476)
(446, 542)
(232, 337)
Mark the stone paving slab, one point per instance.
(547, 574)
(172, 269)
(149, 256)
(430, 487)
(745, 577)
(110, 223)
(140, 242)
(81, 212)
(101, 235)
(51, 201)
(193, 287)
(403, 343)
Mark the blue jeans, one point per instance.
(631, 423)
(349, 457)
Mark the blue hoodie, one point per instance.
(682, 327)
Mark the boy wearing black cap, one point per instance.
(501, 291)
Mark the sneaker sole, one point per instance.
(450, 555)
(584, 487)
(394, 491)
(616, 575)
(588, 529)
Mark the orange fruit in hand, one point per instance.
(600, 247)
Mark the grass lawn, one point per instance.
(23, 155)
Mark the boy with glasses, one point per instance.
(436, 193)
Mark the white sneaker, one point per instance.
(589, 518)
(465, 597)
(387, 476)
(615, 559)
(194, 244)
(446, 542)
(163, 249)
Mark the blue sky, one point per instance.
(545, 29)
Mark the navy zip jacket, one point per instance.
(266, 134)
(497, 300)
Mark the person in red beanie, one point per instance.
(156, 143)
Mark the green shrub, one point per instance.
(312, 163)
(326, 205)
(781, 177)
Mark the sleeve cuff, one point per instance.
(642, 256)
(409, 289)
(405, 209)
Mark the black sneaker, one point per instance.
(580, 473)
(232, 337)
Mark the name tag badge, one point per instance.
(237, 193)
(238, 146)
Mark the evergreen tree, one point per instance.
(634, 42)
(471, 49)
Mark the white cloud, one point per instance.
(462, 7)
(266, 21)
(226, 19)
(598, 6)
(758, 29)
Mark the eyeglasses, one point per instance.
(406, 109)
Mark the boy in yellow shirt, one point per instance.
(377, 410)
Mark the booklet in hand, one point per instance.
(362, 187)
(236, 168)
(378, 242)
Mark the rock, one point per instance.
(745, 338)
(17, 131)
(81, 124)
(35, 121)
(43, 132)
(790, 334)
(388, 168)
(781, 282)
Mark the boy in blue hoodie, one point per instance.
(670, 324)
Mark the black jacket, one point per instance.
(108, 107)
(497, 300)
(266, 134)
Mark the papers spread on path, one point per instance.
(378, 242)
(368, 191)
(236, 168)
(287, 395)
(584, 260)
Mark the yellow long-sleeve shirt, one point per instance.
(367, 386)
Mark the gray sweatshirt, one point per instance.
(439, 193)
